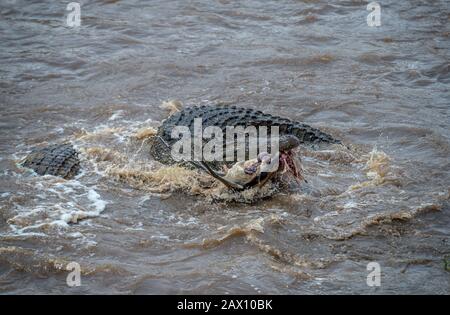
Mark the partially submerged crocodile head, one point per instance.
(257, 172)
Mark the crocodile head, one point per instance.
(257, 172)
(250, 173)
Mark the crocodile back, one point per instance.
(223, 116)
(57, 159)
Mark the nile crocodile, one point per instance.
(61, 160)
(56, 159)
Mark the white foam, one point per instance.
(57, 204)
(74, 216)
(99, 204)
(116, 115)
(350, 205)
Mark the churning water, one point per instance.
(135, 226)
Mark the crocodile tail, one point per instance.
(308, 134)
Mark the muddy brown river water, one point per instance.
(135, 226)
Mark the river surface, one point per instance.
(137, 227)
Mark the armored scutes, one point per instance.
(223, 116)
(57, 159)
